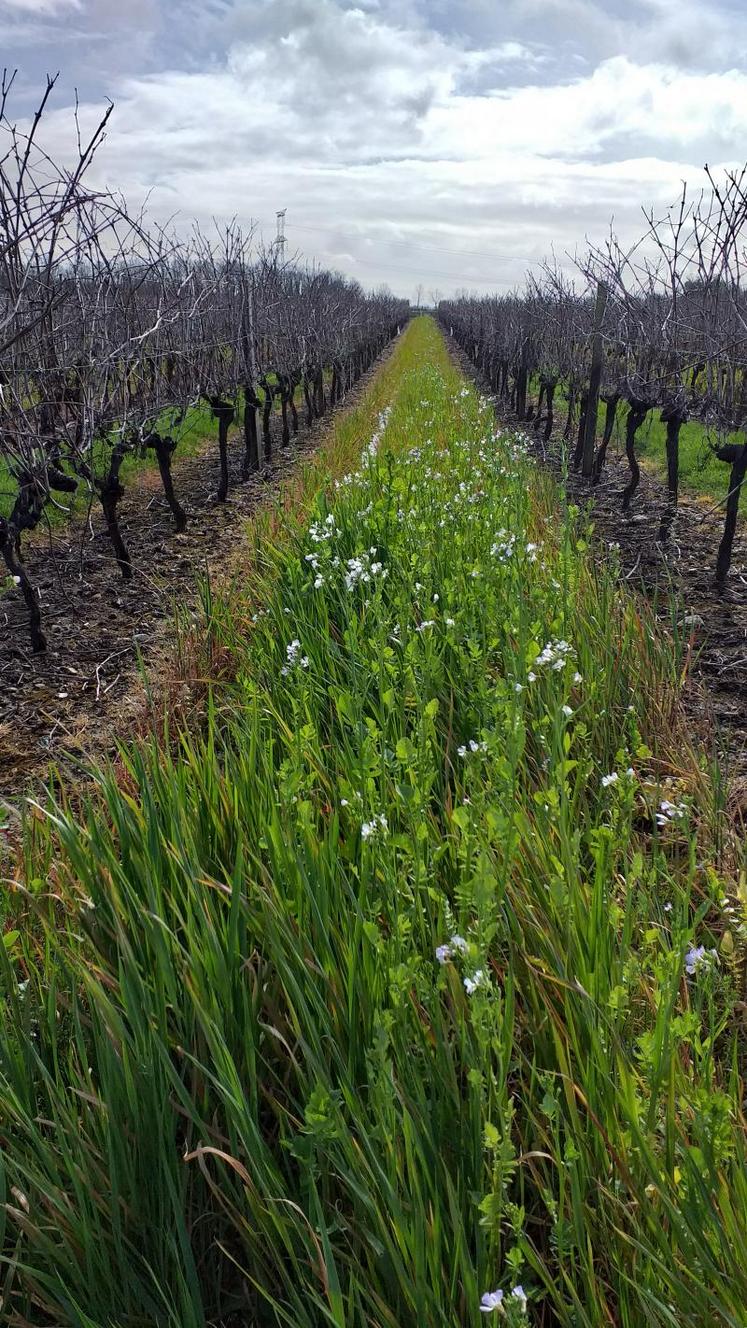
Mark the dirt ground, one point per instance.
(61, 708)
(714, 623)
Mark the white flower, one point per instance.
(476, 980)
(294, 657)
(519, 1294)
(555, 654)
(472, 746)
(459, 943)
(567, 711)
(577, 678)
(376, 826)
(372, 448)
(503, 547)
(670, 811)
(318, 583)
(361, 569)
(531, 677)
(518, 687)
(491, 1301)
(449, 622)
(320, 531)
(357, 571)
(697, 958)
(443, 953)
(668, 907)
(610, 779)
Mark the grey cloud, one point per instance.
(38, 7)
(686, 33)
(440, 142)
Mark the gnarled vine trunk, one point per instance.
(8, 545)
(224, 413)
(674, 419)
(637, 413)
(579, 449)
(737, 456)
(266, 416)
(610, 414)
(250, 463)
(164, 449)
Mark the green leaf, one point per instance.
(405, 750)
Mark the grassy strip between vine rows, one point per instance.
(381, 1000)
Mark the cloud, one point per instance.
(619, 101)
(684, 33)
(42, 8)
(402, 149)
(26, 23)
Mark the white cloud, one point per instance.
(391, 142)
(619, 100)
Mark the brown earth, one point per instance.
(678, 577)
(61, 708)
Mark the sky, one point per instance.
(431, 145)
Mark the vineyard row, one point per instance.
(112, 332)
(659, 325)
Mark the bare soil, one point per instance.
(60, 709)
(678, 576)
